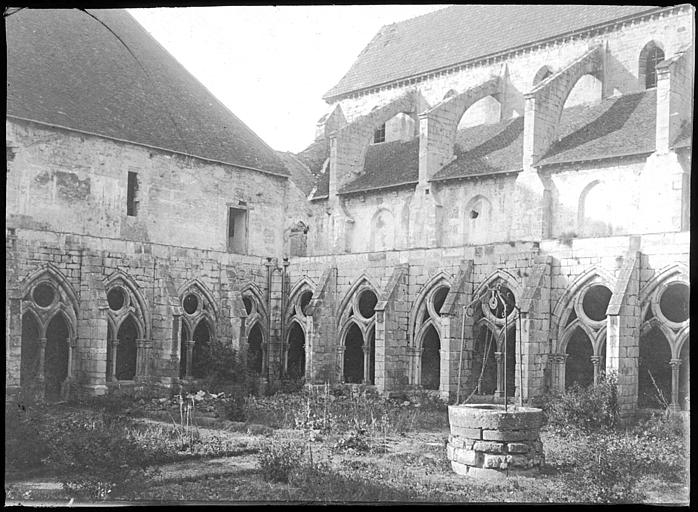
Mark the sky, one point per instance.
(271, 65)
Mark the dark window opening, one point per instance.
(247, 302)
(190, 303)
(131, 192)
(43, 295)
(367, 303)
(295, 365)
(440, 298)
(431, 360)
(509, 300)
(237, 230)
(654, 371)
(579, 369)
(306, 297)
(654, 56)
(483, 377)
(200, 355)
(126, 351)
(674, 302)
(29, 362)
(115, 299)
(474, 214)
(56, 358)
(595, 302)
(353, 356)
(379, 134)
(254, 350)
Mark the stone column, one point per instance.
(367, 360)
(69, 341)
(499, 392)
(190, 350)
(596, 361)
(42, 359)
(675, 366)
(559, 366)
(114, 352)
(139, 358)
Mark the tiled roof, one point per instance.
(614, 127)
(65, 68)
(685, 137)
(486, 149)
(300, 174)
(464, 33)
(618, 126)
(314, 156)
(388, 164)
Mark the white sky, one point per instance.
(271, 65)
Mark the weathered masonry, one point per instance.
(555, 167)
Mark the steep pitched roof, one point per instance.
(65, 68)
(388, 164)
(299, 172)
(464, 33)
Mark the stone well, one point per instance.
(486, 441)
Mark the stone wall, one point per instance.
(68, 182)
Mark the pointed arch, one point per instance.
(262, 327)
(142, 312)
(652, 53)
(305, 284)
(436, 281)
(50, 272)
(675, 271)
(345, 329)
(569, 330)
(542, 74)
(382, 232)
(419, 337)
(362, 281)
(251, 289)
(593, 275)
(654, 322)
(512, 282)
(198, 285)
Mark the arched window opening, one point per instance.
(295, 365)
(654, 379)
(431, 359)
(126, 353)
(383, 231)
(255, 353)
(579, 368)
(684, 380)
(200, 355)
(477, 222)
(29, 359)
(650, 56)
(353, 356)
(440, 298)
(56, 357)
(304, 301)
(485, 111)
(483, 377)
(597, 208)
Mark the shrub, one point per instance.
(588, 409)
(233, 407)
(278, 461)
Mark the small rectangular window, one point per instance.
(237, 230)
(131, 192)
(379, 134)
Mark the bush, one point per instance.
(279, 461)
(233, 408)
(222, 366)
(587, 409)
